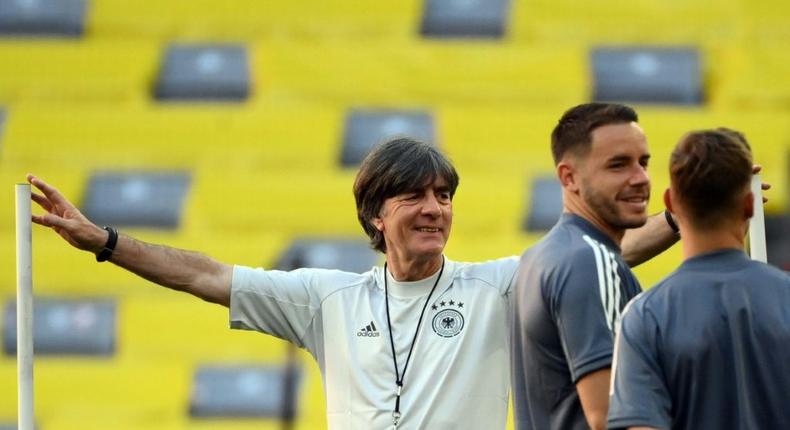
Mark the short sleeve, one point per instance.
(578, 306)
(639, 395)
(282, 304)
(504, 276)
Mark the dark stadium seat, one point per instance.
(342, 254)
(42, 17)
(192, 72)
(643, 74)
(66, 327)
(545, 205)
(366, 128)
(464, 18)
(136, 199)
(2, 123)
(777, 235)
(245, 391)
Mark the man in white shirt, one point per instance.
(419, 343)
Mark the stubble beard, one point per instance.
(607, 210)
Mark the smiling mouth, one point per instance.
(429, 229)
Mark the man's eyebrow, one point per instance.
(624, 157)
(618, 157)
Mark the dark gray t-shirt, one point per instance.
(706, 348)
(570, 291)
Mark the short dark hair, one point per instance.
(708, 170)
(573, 131)
(395, 167)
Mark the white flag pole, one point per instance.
(757, 224)
(24, 306)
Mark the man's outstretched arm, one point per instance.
(643, 243)
(178, 269)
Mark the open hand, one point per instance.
(63, 217)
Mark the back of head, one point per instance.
(573, 132)
(710, 172)
(395, 167)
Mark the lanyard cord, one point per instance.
(399, 377)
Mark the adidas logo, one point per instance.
(368, 331)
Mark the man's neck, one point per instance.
(405, 270)
(573, 207)
(697, 242)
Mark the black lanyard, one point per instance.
(399, 377)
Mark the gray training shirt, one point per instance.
(570, 291)
(706, 348)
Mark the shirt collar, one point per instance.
(588, 228)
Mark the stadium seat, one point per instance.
(42, 17)
(136, 198)
(204, 72)
(350, 255)
(545, 204)
(466, 18)
(366, 128)
(244, 391)
(2, 123)
(639, 74)
(66, 327)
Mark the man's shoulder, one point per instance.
(562, 248)
(324, 282)
(769, 273)
(493, 272)
(659, 295)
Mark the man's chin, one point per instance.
(632, 222)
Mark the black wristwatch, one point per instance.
(109, 247)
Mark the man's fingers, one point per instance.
(40, 220)
(50, 220)
(766, 186)
(49, 191)
(756, 168)
(41, 201)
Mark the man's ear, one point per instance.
(748, 205)
(668, 200)
(378, 223)
(567, 175)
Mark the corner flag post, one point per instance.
(757, 224)
(24, 307)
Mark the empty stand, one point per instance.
(366, 128)
(647, 75)
(204, 72)
(139, 199)
(484, 79)
(42, 17)
(465, 18)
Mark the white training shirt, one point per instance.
(458, 375)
